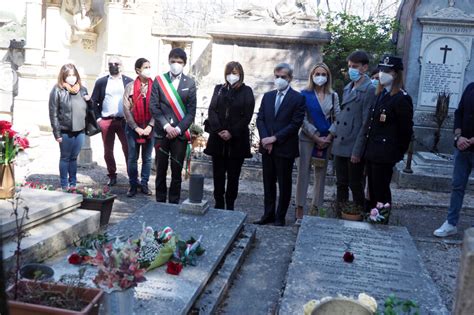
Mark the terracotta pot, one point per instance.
(90, 295)
(7, 181)
(102, 205)
(351, 217)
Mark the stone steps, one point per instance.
(218, 285)
(51, 237)
(53, 223)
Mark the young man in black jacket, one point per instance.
(463, 159)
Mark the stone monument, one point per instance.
(437, 50)
(9, 65)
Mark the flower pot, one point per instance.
(351, 216)
(7, 181)
(38, 272)
(91, 297)
(119, 302)
(102, 205)
(341, 306)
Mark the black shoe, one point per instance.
(132, 191)
(145, 190)
(279, 223)
(112, 181)
(264, 221)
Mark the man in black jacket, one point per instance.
(463, 159)
(279, 118)
(173, 106)
(107, 99)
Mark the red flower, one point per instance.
(348, 257)
(22, 142)
(5, 125)
(174, 268)
(75, 259)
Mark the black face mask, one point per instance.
(113, 69)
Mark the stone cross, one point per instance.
(446, 49)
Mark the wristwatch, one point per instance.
(456, 137)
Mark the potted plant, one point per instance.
(351, 211)
(26, 297)
(197, 138)
(96, 199)
(10, 144)
(118, 274)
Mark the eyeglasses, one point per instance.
(114, 64)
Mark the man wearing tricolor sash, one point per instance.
(173, 106)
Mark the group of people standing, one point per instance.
(367, 132)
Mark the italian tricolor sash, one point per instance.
(177, 105)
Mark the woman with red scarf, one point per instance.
(136, 108)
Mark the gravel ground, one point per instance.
(419, 211)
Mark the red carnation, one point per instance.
(5, 125)
(22, 142)
(75, 259)
(348, 257)
(174, 268)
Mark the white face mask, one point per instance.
(385, 78)
(232, 78)
(281, 84)
(146, 73)
(176, 68)
(320, 80)
(71, 80)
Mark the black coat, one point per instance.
(464, 114)
(387, 141)
(60, 109)
(232, 110)
(284, 125)
(98, 94)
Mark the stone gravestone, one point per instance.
(437, 51)
(386, 261)
(163, 293)
(464, 304)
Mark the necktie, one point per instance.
(279, 98)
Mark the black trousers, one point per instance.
(379, 176)
(276, 169)
(166, 150)
(349, 175)
(223, 168)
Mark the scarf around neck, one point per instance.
(72, 89)
(141, 112)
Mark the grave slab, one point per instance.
(386, 262)
(43, 205)
(163, 293)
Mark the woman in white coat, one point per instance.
(315, 137)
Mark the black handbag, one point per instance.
(92, 126)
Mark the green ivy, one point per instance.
(350, 33)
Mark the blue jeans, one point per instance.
(133, 153)
(69, 147)
(463, 162)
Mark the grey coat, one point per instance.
(349, 139)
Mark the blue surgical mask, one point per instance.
(375, 82)
(354, 74)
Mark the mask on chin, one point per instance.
(176, 68)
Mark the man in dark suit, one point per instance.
(107, 99)
(173, 106)
(279, 118)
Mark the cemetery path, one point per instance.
(259, 283)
